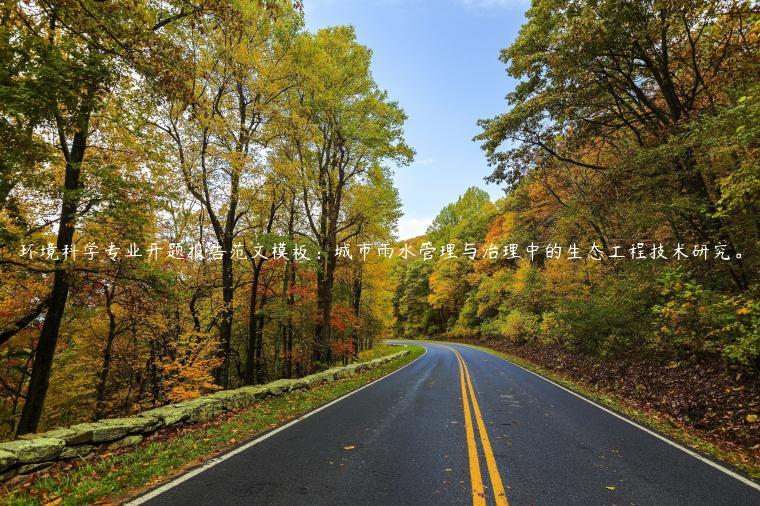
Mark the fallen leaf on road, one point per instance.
(610, 487)
(349, 447)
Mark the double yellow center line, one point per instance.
(478, 493)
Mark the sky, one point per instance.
(440, 60)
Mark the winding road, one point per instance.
(459, 426)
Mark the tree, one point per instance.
(241, 71)
(351, 128)
(105, 107)
(64, 43)
(608, 89)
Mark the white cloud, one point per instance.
(425, 161)
(409, 227)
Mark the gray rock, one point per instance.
(279, 387)
(201, 409)
(77, 451)
(235, 399)
(298, 384)
(321, 378)
(258, 391)
(312, 380)
(152, 425)
(134, 424)
(7, 459)
(101, 432)
(336, 372)
(77, 434)
(345, 372)
(7, 475)
(71, 437)
(124, 442)
(29, 451)
(30, 468)
(167, 415)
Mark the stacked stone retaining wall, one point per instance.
(33, 452)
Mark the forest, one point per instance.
(634, 124)
(188, 193)
(175, 181)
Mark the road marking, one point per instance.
(694, 454)
(476, 480)
(211, 463)
(499, 493)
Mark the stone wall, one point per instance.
(37, 451)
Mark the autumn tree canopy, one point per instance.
(161, 165)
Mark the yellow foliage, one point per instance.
(188, 366)
(520, 276)
(501, 228)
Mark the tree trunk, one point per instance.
(327, 307)
(260, 372)
(713, 226)
(289, 333)
(250, 356)
(283, 324)
(43, 356)
(225, 325)
(325, 281)
(100, 391)
(356, 304)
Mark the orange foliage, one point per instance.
(343, 348)
(500, 228)
(188, 368)
(342, 317)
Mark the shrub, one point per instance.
(745, 348)
(606, 325)
(517, 326)
(554, 330)
(691, 319)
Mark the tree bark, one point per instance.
(43, 356)
(21, 323)
(356, 304)
(250, 356)
(100, 391)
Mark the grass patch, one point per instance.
(377, 351)
(653, 420)
(114, 476)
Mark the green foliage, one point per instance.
(729, 139)
(691, 319)
(516, 326)
(466, 220)
(745, 348)
(413, 315)
(625, 126)
(224, 126)
(600, 324)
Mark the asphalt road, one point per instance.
(410, 439)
